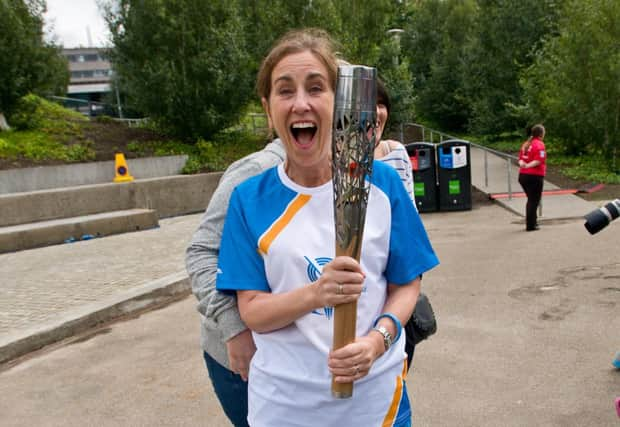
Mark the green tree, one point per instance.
(363, 27)
(266, 20)
(422, 38)
(574, 84)
(358, 28)
(393, 69)
(507, 34)
(440, 32)
(27, 62)
(190, 64)
(366, 39)
(184, 63)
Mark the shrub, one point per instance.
(160, 148)
(37, 146)
(227, 147)
(33, 112)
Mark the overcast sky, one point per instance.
(72, 20)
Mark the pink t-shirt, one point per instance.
(535, 152)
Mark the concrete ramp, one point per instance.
(493, 175)
(554, 207)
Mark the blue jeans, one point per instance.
(231, 391)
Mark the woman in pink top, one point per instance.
(532, 161)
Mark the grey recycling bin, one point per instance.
(423, 166)
(454, 175)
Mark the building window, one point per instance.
(82, 74)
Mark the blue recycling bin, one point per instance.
(424, 170)
(454, 175)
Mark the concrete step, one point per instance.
(44, 233)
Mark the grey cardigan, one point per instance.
(220, 316)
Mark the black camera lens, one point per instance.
(600, 218)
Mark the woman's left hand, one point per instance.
(353, 361)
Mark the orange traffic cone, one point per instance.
(121, 169)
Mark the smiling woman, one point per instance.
(296, 86)
(278, 255)
(300, 109)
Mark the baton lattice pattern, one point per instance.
(353, 149)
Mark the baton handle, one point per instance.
(345, 319)
(345, 316)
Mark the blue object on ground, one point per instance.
(87, 237)
(616, 361)
(70, 240)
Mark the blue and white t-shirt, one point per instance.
(277, 236)
(397, 157)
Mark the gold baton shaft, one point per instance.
(345, 320)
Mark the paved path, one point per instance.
(527, 313)
(528, 327)
(50, 293)
(44, 291)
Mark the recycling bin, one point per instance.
(454, 175)
(423, 166)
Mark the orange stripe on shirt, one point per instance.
(390, 417)
(270, 235)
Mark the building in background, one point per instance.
(90, 81)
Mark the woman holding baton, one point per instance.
(277, 253)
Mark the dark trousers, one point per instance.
(231, 391)
(533, 187)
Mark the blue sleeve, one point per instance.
(411, 253)
(240, 266)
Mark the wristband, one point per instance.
(399, 326)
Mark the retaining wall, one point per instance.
(169, 196)
(48, 177)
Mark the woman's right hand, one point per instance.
(240, 349)
(341, 281)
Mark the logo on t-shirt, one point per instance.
(314, 269)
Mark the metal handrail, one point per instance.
(259, 122)
(132, 122)
(83, 106)
(442, 135)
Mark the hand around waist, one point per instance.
(241, 348)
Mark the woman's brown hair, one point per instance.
(538, 131)
(314, 40)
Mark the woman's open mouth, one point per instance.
(303, 132)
